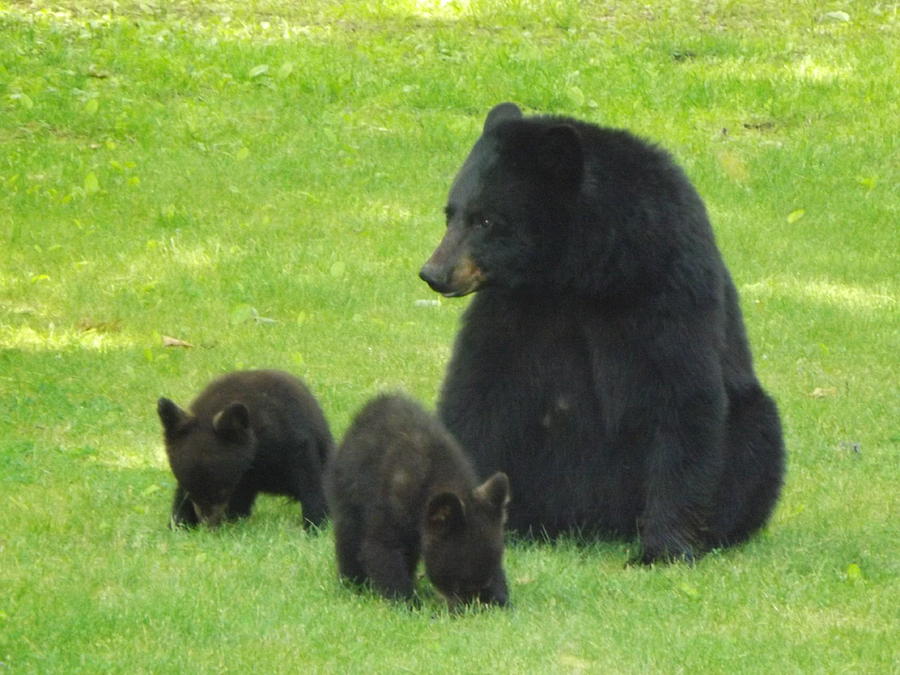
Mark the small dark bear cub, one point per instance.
(400, 487)
(247, 432)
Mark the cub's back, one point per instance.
(395, 454)
(275, 399)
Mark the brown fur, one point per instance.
(399, 488)
(247, 432)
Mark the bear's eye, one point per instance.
(483, 222)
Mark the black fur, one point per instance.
(399, 488)
(603, 363)
(247, 432)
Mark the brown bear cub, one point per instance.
(247, 432)
(400, 487)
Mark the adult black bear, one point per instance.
(603, 364)
(400, 487)
(247, 432)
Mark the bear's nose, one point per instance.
(433, 276)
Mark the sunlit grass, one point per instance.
(27, 338)
(839, 296)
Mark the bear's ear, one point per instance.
(494, 491)
(170, 415)
(231, 419)
(501, 113)
(560, 153)
(445, 514)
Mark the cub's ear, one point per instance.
(560, 153)
(501, 113)
(445, 514)
(170, 415)
(233, 418)
(494, 491)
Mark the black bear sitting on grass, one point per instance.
(399, 487)
(603, 364)
(247, 432)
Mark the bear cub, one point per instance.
(247, 432)
(399, 487)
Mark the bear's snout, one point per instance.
(453, 282)
(435, 277)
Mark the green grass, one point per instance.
(264, 179)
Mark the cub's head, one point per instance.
(463, 543)
(208, 457)
(508, 207)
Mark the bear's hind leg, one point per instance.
(755, 468)
(314, 510)
(303, 475)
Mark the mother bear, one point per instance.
(603, 364)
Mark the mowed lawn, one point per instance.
(188, 188)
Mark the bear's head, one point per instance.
(509, 205)
(463, 542)
(208, 456)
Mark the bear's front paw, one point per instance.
(647, 557)
(496, 592)
(665, 549)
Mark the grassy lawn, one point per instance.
(263, 180)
